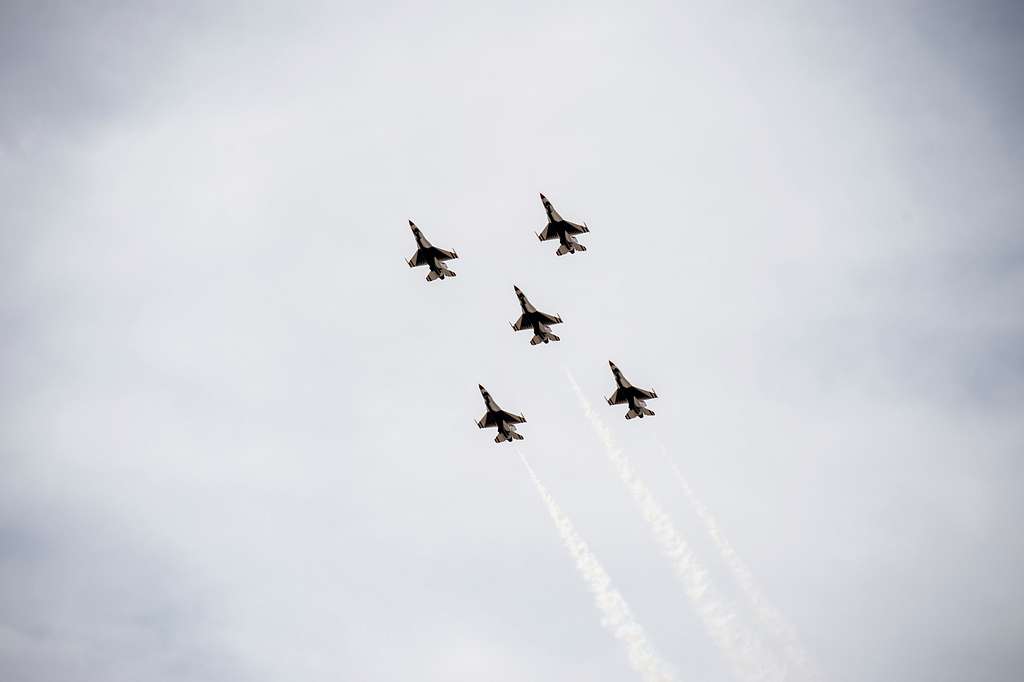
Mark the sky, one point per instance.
(235, 427)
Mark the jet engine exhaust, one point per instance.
(770, 618)
(750, 661)
(616, 616)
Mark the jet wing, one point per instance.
(442, 254)
(510, 418)
(487, 420)
(521, 324)
(548, 233)
(620, 396)
(646, 395)
(417, 259)
(549, 319)
(576, 229)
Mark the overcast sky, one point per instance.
(236, 436)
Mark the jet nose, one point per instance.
(542, 197)
(412, 224)
(518, 290)
(612, 365)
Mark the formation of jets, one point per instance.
(531, 319)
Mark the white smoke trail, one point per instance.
(615, 613)
(749, 659)
(770, 617)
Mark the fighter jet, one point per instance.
(630, 394)
(536, 320)
(504, 421)
(431, 256)
(562, 230)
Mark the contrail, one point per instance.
(750, 661)
(770, 617)
(615, 612)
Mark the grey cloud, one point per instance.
(66, 65)
(80, 598)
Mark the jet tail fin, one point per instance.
(516, 436)
(500, 438)
(639, 412)
(544, 337)
(570, 248)
(432, 276)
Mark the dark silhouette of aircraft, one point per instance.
(562, 230)
(504, 421)
(431, 256)
(536, 320)
(630, 394)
